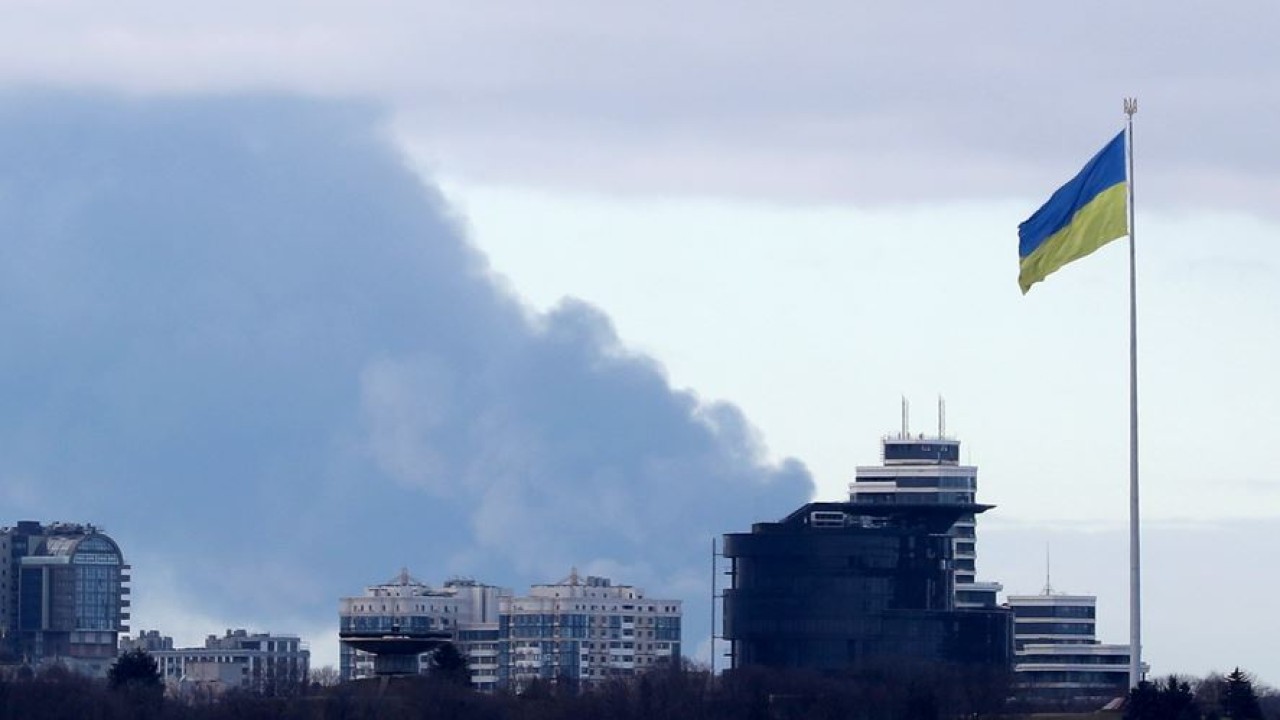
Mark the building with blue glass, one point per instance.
(845, 585)
(63, 595)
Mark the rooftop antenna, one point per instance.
(1048, 586)
(906, 414)
(942, 417)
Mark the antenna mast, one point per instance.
(942, 417)
(1048, 586)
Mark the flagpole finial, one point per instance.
(1130, 106)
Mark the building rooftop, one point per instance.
(935, 517)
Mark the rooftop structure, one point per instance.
(148, 641)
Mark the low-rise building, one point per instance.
(264, 663)
(1058, 661)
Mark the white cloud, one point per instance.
(830, 101)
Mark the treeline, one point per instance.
(668, 694)
(916, 693)
(1233, 697)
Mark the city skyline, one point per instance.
(806, 214)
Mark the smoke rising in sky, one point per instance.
(244, 338)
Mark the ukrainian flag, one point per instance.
(1082, 216)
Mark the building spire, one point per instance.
(1048, 586)
(906, 416)
(942, 417)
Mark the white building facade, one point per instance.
(264, 663)
(585, 631)
(1058, 661)
(464, 609)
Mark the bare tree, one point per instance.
(326, 676)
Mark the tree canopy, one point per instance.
(134, 670)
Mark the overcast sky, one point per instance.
(808, 213)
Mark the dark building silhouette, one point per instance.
(844, 585)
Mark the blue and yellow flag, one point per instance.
(1082, 216)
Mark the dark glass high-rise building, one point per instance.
(918, 468)
(835, 586)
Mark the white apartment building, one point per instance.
(463, 611)
(585, 631)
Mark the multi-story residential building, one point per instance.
(1059, 663)
(838, 586)
(478, 636)
(416, 615)
(63, 595)
(585, 631)
(264, 663)
(924, 468)
(579, 630)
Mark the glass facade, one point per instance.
(1054, 628)
(1084, 659)
(69, 595)
(922, 451)
(1056, 611)
(390, 623)
(876, 588)
(919, 469)
(97, 597)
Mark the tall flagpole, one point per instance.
(1135, 553)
